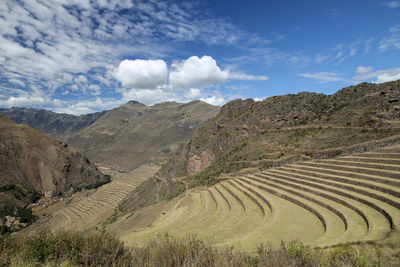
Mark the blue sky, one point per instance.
(82, 56)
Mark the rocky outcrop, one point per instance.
(198, 163)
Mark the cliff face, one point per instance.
(32, 161)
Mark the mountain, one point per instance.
(247, 133)
(133, 134)
(250, 134)
(32, 163)
(57, 125)
(246, 136)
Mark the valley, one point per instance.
(349, 199)
(293, 167)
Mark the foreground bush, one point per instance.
(102, 249)
(70, 248)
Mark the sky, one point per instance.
(84, 56)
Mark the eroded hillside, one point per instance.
(134, 134)
(32, 163)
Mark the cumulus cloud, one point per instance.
(55, 44)
(143, 74)
(258, 99)
(193, 93)
(215, 99)
(196, 71)
(323, 76)
(379, 76)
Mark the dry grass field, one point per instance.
(321, 202)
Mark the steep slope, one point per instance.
(57, 125)
(32, 162)
(133, 134)
(287, 128)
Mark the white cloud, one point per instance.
(323, 76)
(196, 71)
(95, 89)
(193, 93)
(49, 43)
(81, 107)
(388, 77)
(148, 96)
(17, 82)
(392, 4)
(380, 76)
(321, 58)
(247, 77)
(81, 79)
(23, 98)
(216, 99)
(142, 74)
(392, 41)
(362, 70)
(74, 87)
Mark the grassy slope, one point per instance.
(134, 134)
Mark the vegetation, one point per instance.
(32, 164)
(289, 128)
(134, 134)
(102, 249)
(15, 208)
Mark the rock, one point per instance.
(198, 163)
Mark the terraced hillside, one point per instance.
(89, 211)
(321, 202)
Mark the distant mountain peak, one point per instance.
(134, 102)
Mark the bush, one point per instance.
(75, 248)
(103, 249)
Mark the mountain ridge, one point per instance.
(134, 134)
(57, 125)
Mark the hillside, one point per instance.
(32, 163)
(325, 202)
(247, 135)
(289, 127)
(57, 125)
(134, 134)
